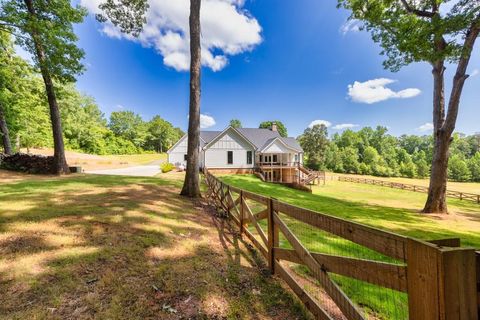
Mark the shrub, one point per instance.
(166, 167)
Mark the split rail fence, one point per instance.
(345, 270)
(411, 187)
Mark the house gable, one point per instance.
(180, 146)
(278, 146)
(230, 139)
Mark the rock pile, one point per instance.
(29, 163)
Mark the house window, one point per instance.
(249, 157)
(274, 158)
(229, 157)
(296, 157)
(185, 157)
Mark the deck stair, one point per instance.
(309, 176)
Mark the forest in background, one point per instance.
(375, 152)
(24, 107)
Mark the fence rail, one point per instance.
(440, 282)
(411, 187)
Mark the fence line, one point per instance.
(411, 187)
(440, 282)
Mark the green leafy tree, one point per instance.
(420, 160)
(235, 123)
(129, 126)
(333, 158)
(12, 69)
(84, 125)
(474, 166)
(427, 31)
(350, 160)
(44, 28)
(458, 169)
(282, 130)
(314, 142)
(161, 135)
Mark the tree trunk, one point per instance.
(7, 146)
(191, 185)
(61, 166)
(445, 125)
(436, 201)
(437, 191)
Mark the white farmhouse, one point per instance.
(248, 150)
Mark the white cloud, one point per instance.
(375, 90)
(350, 26)
(344, 126)
(425, 127)
(316, 122)
(227, 29)
(475, 73)
(206, 121)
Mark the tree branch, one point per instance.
(420, 13)
(461, 75)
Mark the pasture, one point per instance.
(384, 208)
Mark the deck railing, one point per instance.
(411, 187)
(412, 279)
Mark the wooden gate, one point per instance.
(439, 282)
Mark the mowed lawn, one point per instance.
(389, 209)
(111, 247)
(467, 187)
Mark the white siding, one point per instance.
(216, 154)
(176, 155)
(278, 147)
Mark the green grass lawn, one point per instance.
(389, 209)
(467, 187)
(113, 247)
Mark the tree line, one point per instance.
(25, 120)
(375, 152)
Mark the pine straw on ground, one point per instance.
(99, 247)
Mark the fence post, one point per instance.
(461, 195)
(441, 282)
(478, 199)
(241, 212)
(271, 237)
(226, 200)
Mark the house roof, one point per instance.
(259, 138)
(208, 136)
(289, 142)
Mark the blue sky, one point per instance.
(293, 62)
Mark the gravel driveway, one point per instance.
(136, 171)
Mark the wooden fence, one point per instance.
(440, 281)
(411, 187)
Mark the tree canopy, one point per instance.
(282, 130)
(235, 123)
(375, 152)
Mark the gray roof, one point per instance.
(260, 138)
(292, 143)
(208, 136)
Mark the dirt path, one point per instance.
(135, 171)
(99, 247)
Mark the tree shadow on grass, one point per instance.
(123, 248)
